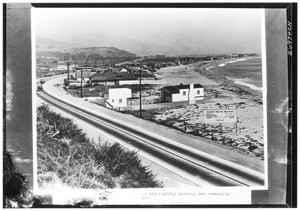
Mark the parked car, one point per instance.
(40, 88)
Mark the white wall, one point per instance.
(83, 79)
(201, 92)
(180, 97)
(199, 96)
(62, 67)
(117, 94)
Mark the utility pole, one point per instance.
(140, 93)
(236, 125)
(81, 83)
(68, 71)
(81, 74)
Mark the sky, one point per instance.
(210, 30)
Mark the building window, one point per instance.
(198, 92)
(184, 93)
(120, 100)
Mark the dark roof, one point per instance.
(181, 86)
(132, 69)
(175, 89)
(143, 74)
(116, 69)
(85, 74)
(112, 76)
(171, 89)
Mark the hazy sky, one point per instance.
(211, 29)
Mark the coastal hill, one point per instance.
(45, 44)
(101, 52)
(89, 53)
(69, 50)
(81, 40)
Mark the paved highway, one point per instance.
(172, 152)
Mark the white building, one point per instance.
(118, 97)
(191, 93)
(73, 67)
(62, 67)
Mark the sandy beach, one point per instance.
(220, 93)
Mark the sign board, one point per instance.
(224, 115)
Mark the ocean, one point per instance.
(244, 71)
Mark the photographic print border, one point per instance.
(279, 98)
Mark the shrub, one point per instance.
(67, 157)
(15, 186)
(126, 165)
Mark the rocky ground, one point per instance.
(220, 93)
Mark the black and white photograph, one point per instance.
(141, 105)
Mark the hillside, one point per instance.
(88, 53)
(83, 40)
(45, 44)
(101, 52)
(136, 46)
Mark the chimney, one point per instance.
(192, 94)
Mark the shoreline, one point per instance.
(222, 93)
(206, 71)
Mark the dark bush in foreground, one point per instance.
(67, 157)
(15, 186)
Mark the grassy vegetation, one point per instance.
(67, 157)
(99, 90)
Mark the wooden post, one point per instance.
(81, 83)
(236, 118)
(68, 71)
(140, 93)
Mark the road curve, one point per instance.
(205, 169)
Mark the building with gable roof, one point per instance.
(111, 78)
(179, 93)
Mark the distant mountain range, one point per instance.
(104, 52)
(67, 51)
(138, 47)
(93, 53)
(45, 44)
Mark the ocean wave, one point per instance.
(208, 68)
(251, 86)
(234, 61)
